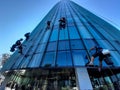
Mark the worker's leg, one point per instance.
(92, 58)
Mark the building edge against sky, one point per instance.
(54, 53)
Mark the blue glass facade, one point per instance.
(69, 47)
(83, 30)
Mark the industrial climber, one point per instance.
(48, 25)
(27, 35)
(18, 45)
(18, 42)
(12, 49)
(102, 53)
(62, 23)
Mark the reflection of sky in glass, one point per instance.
(64, 59)
(65, 47)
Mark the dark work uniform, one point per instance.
(99, 53)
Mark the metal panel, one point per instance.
(83, 80)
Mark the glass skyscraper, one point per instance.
(55, 58)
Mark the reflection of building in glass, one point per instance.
(56, 58)
(4, 57)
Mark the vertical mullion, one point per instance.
(58, 41)
(78, 31)
(69, 39)
(55, 15)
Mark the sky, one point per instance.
(20, 16)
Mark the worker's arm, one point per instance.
(92, 48)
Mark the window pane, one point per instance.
(114, 79)
(94, 32)
(116, 44)
(48, 59)
(36, 34)
(108, 80)
(73, 33)
(46, 36)
(118, 75)
(55, 27)
(54, 35)
(105, 44)
(76, 44)
(32, 50)
(69, 19)
(89, 43)
(27, 48)
(19, 60)
(105, 34)
(83, 19)
(115, 58)
(41, 48)
(64, 59)
(78, 22)
(52, 46)
(84, 32)
(36, 41)
(63, 34)
(102, 81)
(79, 57)
(35, 60)
(63, 45)
(25, 62)
(70, 24)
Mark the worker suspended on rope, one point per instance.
(101, 53)
(19, 45)
(62, 23)
(48, 25)
(27, 35)
(18, 42)
(12, 49)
